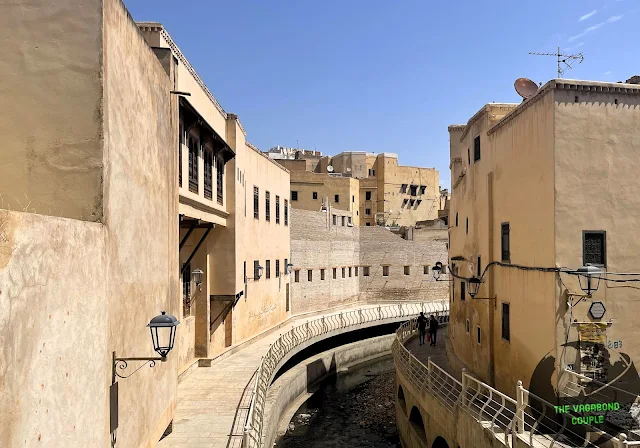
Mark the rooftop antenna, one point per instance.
(567, 59)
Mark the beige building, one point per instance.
(388, 194)
(234, 220)
(537, 188)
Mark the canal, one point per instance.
(354, 408)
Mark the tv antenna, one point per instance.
(567, 59)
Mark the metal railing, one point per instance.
(528, 417)
(307, 333)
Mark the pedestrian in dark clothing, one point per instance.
(433, 329)
(421, 324)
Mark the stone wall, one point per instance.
(316, 245)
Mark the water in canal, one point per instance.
(354, 408)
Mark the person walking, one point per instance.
(421, 324)
(433, 329)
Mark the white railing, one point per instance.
(307, 333)
(528, 417)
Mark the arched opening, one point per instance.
(440, 443)
(415, 418)
(401, 401)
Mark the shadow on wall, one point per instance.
(440, 443)
(415, 419)
(317, 372)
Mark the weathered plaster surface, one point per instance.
(51, 95)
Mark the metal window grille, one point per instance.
(277, 209)
(208, 174)
(267, 205)
(193, 164)
(506, 331)
(277, 268)
(256, 202)
(286, 212)
(294, 195)
(268, 268)
(594, 248)
(255, 270)
(476, 149)
(186, 291)
(219, 180)
(505, 239)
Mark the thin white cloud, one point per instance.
(586, 16)
(595, 27)
(579, 44)
(608, 72)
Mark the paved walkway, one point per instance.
(212, 403)
(438, 353)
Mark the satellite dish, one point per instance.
(525, 87)
(348, 170)
(330, 169)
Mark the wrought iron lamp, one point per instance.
(289, 268)
(163, 336)
(196, 275)
(437, 270)
(589, 278)
(474, 286)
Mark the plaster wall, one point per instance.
(347, 189)
(370, 185)
(52, 154)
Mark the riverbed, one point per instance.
(354, 408)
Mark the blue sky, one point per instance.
(386, 75)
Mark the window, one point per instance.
(208, 174)
(418, 202)
(506, 253)
(285, 265)
(425, 269)
(294, 195)
(245, 272)
(405, 202)
(478, 335)
(463, 291)
(268, 268)
(369, 171)
(456, 219)
(314, 195)
(309, 275)
(256, 202)
(321, 274)
(468, 156)
(335, 273)
(385, 271)
(277, 268)
(476, 149)
(267, 205)
(594, 245)
(373, 172)
(296, 276)
(467, 226)
(368, 224)
(193, 164)
(277, 209)
(576, 99)
(219, 179)
(367, 195)
(412, 202)
(479, 267)
(182, 136)
(344, 221)
(367, 211)
(186, 291)
(336, 198)
(355, 269)
(255, 270)
(286, 212)
(407, 270)
(403, 188)
(506, 331)
(350, 271)
(335, 220)
(468, 326)
(423, 189)
(365, 271)
(413, 190)
(344, 272)
(349, 220)
(353, 199)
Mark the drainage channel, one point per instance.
(354, 408)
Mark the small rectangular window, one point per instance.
(425, 269)
(336, 198)
(368, 224)
(407, 270)
(349, 271)
(285, 265)
(315, 195)
(349, 220)
(277, 268)
(353, 199)
(418, 202)
(335, 220)
(463, 291)
(335, 273)
(294, 195)
(468, 156)
(412, 202)
(403, 188)
(385, 271)
(369, 171)
(344, 221)
(367, 211)
(267, 206)
(479, 267)
(344, 272)
(478, 335)
(476, 149)
(405, 202)
(268, 268)
(505, 241)
(594, 245)
(277, 209)
(321, 274)
(423, 189)
(506, 330)
(355, 268)
(468, 326)
(297, 275)
(309, 275)
(245, 272)
(373, 172)
(367, 195)
(365, 271)
(256, 202)
(413, 190)
(255, 270)
(286, 212)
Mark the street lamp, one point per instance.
(589, 278)
(289, 268)
(437, 270)
(196, 275)
(259, 270)
(474, 286)
(163, 336)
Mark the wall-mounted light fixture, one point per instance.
(196, 276)
(289, 268)
(437, 270)
(473, 285)
(589, 278)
